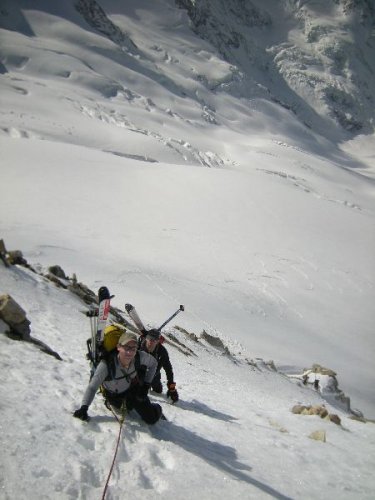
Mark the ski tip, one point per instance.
(103, 293)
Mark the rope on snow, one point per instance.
(120, 420)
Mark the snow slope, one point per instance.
(129, 157)
(268, 246)
(231, 434)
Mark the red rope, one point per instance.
(120, 421)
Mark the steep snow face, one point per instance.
(232, 434)
(317, 58)
(114, 106)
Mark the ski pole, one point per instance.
(181, 308)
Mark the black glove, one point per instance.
(172, 391)
(142, 391)
(82, 413)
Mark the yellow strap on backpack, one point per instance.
(112, 333)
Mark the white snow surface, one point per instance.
(231, 434)
(119, 163)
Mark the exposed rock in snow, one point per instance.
(97, 18)
(321, 61)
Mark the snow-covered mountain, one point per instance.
(213, 154)
(314, 58)
(232, 432)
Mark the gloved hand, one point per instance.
(172, 391)
(142, 391)
(82, 413)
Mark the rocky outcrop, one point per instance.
(324, 380)
(96, 17)
(319, 410)
(319, 435)
(14, 316)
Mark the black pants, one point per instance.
(149, 412)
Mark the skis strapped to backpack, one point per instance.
(136, 319)
(98, 321)
(138, 322)
(104, 307)
(143, 330)
(104, 339)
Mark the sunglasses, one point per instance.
(129, 348)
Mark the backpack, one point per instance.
(111, 335)
(107, 351)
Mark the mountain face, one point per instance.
(115, 103)
(315, 58)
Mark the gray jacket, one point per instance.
(122, 377)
